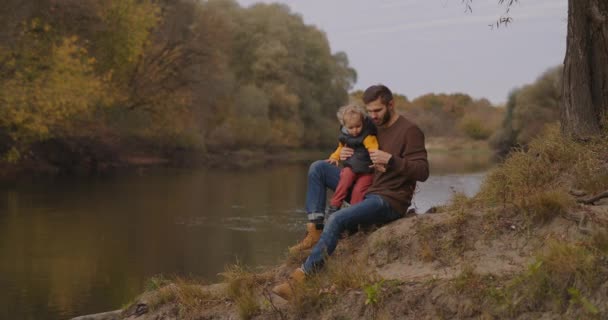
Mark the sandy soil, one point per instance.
(421, 279)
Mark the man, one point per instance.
(400, 162)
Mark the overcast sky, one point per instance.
(421, 46)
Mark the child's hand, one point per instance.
(346, 153)
(332, 161)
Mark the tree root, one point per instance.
(593, 199)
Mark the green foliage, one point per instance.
(577, 298)
(373, 292)
(119, 50)
(156, 282)
(528, 110)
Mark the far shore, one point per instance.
(244, 158)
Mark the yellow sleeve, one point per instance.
(336, 154)
(371, 143)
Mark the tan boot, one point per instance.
(285, 289)
(312, 237)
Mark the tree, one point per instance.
(584, 102)
(585, 87)
(45, 82)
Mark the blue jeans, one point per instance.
(372, 210)
(321, 175)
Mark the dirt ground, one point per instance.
(430, 266)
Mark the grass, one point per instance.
(323, 289)
(530, 189)
(373, 292)
(243, 286)
(156, 282)
(564, 280)
(486, 292)
(186, 297)
(559, 280)
(531, 185)
(388, 243)
(442, 241)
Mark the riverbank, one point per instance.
(532, 244)
(453, 264)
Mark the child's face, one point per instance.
(353, 125)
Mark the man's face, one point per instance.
(378, 112)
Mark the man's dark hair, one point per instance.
(378, 91)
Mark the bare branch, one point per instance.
(467, 5)
(592, 200)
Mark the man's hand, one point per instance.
(346, 153)
(378, 167)
(332, 161)
(380, 157)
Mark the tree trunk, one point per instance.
(585, 87)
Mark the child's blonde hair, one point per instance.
(350, 110)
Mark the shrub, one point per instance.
(523, 181)
(474, 128)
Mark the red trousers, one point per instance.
(358, 181)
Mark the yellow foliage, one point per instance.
(41, 96)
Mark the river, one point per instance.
(74, 246)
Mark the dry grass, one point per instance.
(559, 280)
(543, 206)
(322, 290)
(243, 286)
(531, 185)
(188, 297)
(599, 241)
(442, 241)
(564, 280)
(485, 291)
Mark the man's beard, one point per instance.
(385, 119)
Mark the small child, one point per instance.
(359, 133)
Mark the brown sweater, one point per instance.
(405, 141)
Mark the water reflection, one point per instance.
(70, 247)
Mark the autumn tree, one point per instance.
(46, 80)
(165, 76)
